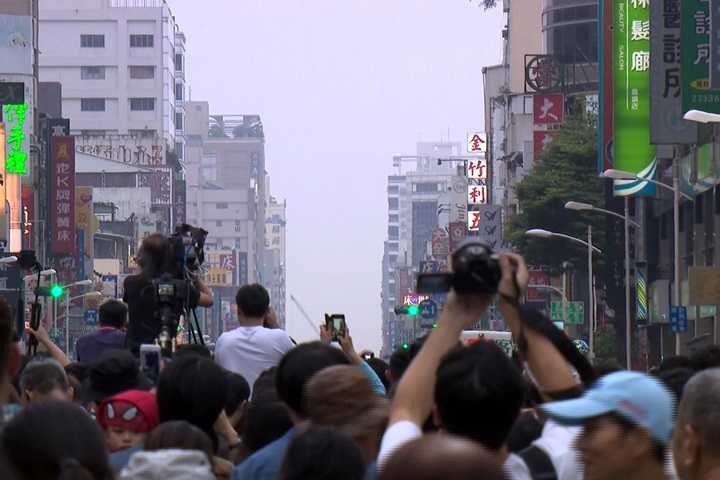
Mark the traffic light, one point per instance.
(407, 310)
(56, 291)
(406, 346)
(434, 325)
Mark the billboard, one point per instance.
(548, 108)
(84, 220)
(62, 194)
(632, 149)
(605, 104)
(179, 211)
(28, 202)
(666, 123)
(695, 58)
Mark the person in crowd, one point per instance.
(55, 440)
(696, 439)
(112, 317)
(168, 464)
(342, 397)
(627, 423)
(346, 343)
(443, 456)
(179, 435)
(154, 259)
(126, 418)
(9, 366)
(706, 357)
(399, 362)
(381, 369)
(44, 379)
(478, 391)
(258, 343)
(293, 373)
(77, 373)
(237, 401)
(674, 361)
(43, 338)
(322, 453)
(114, 371)
(675, 379)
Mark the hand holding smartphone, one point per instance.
(150, 361)
(335, 324)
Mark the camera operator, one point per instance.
(154, 259)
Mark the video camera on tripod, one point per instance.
(172, 289)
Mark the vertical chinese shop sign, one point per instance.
(62, 194)
(696, 55)
(632, 149)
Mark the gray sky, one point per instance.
(340, 86)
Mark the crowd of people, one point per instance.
(261, 407)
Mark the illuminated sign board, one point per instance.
(18, 144)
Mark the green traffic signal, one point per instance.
(434, 325)
(56, 291)
(412, 310)
(406, 346)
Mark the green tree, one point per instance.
(604, 346)
(566, 171)
(216, 132)
(487, 4)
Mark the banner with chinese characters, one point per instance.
(18, 124)
(605, 100)
(242, 262)
(632, 149)
(666, 123)
(217, 277)
(62, 194)
(477, 195)
(3, 212)
(548, 108)
(541, 142)
(179, 204)
(695, 38)
(28, 202)
(490, 225)
(84, 220)
(227, 262)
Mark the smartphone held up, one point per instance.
(336, 325)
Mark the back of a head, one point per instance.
(380, 367)
(252, 300)
(264, 422)
(675, 379)
(264, 389)
(238, 392)
(401, 358)
(479, 393)
(112, 313)
(322, 453)
(342, 396)
(674, 361)
(442, 456)
(301, 363)
(194, 389)
(55, 440)
(42, 376)
(154, 256)
(706, 357)
(179, 435)
(699, 407)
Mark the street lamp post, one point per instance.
(626, 219)
(538, 232)
(620, 175)
(66, 289)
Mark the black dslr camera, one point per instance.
(475, 270)
(188, 249)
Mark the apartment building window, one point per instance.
(143, 133)
(92, 73)
(179, 150)
(142, 41)
(142, 104)
(178, 62)
(92, 41)
(179, 93)
(393, 203)
(221, 206)
(92, 104)
(238, 240)
(426, 187)
(92, 133)
(209, 167)
(178, 121)
(142, 71)
(218, 223)
(393, 218)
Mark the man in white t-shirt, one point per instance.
(477, 392)
(258, 343)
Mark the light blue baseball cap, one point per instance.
(641, 399)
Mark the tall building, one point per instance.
(116, 61)
(416, 195)
(225, 163)
(274, 268)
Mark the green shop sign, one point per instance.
(16, 120)
(632, 149)
(696, 55)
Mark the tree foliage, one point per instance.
(566, 171)
(488, 4)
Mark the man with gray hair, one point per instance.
(44, 379)
(696, 441)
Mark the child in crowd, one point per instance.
(126, 418)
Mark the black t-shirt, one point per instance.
(143, 326)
